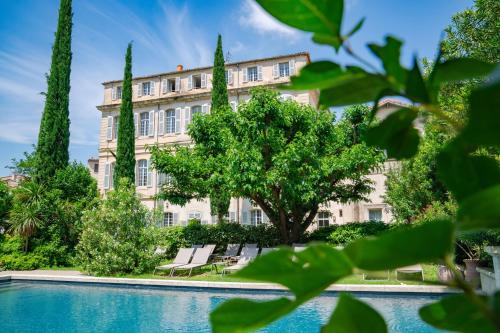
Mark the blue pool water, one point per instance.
(51, 307)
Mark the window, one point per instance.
(168, 219)
(146, 88)
(164, 179)
(252, 74)
(115, 127)
(323, 219)
(255, 217)
(171, 86)
(195, 109)
(194, 216)
(197, 81)
(375, 214)
(284, 69)
(170, 121)
(340, 212)
(229, 76)
(118, 92)
(142, 173)
(144, 126)
(96, 167)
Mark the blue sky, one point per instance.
(167, 33)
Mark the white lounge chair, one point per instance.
(211, 247)
(266, 250)
(182, 258)
(247, 254)
(411, 270)
(251, 245)
(299, 247)
(200, 259)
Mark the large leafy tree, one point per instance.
(415, 186)
(53, 137)
(286, 157)
(125, 151)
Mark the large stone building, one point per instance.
(164, 105)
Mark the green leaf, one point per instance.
(460, 69)
(389, 54)
(456, 313)
(322, 17)
(242, 315)
(403, 247)
(354, 316)
(355, 88)
(415, 85)
(480, 210)
(305, 273)
(318, 75)
(484, 115)
(355, 29)
(396, 134)
(464, 174)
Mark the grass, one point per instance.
(205, 274)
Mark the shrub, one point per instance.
(347, 233)
(117, 235)
(22, 261)
(54, 253)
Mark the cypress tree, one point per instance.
(125, 152)
(219, 89)
(53, 138)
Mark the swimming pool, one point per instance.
(73, 307)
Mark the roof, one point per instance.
(306, 54)
(392, 101)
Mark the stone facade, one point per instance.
(163, 107)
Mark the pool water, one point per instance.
(56, 307)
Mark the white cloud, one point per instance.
(253, 16)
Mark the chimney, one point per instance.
(180, 68)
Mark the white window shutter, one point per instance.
(176, 218)
(152, 88)
(139, 89)
(113, 93)
(276, 71)
(190, 82)
(245, 74)
(291, 67)
(136, 124)
(151, 128)
(259, 73)
(164, 86)
(204, 108)
(109, 128)
(232, 216)
(150, 175)
(187, 118)
(136, 173)
(177, 84)
(230, 76)
(177, 120)
(233, 105)
(203, 80)
(161, 122)
(106, 175)
(245, 217)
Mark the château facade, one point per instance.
(164, 105)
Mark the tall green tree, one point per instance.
(125, 151)
(219, 89)
(53, 138)
(287, 158)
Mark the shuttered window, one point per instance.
(170, 121)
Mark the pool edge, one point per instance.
(413, 289)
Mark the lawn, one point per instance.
(206, 274)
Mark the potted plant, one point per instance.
(471, 244)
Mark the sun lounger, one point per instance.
(200, 259)
(298, 247)
(182, 258)
(251, 245)
(197, 246)
(411, 270)
(247, 255)
(211, 247)
(266, 250)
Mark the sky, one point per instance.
(164, 34)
